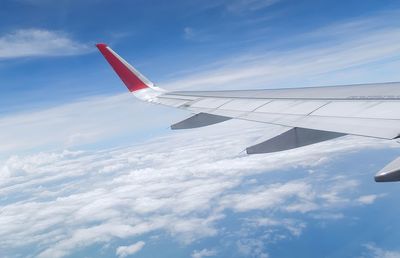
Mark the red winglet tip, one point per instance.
(132, 81)
(101, 45)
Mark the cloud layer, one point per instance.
(59, 202)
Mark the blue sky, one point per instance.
(162, 39)
(86, 170)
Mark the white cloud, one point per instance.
(203, 253)
(376, 252)
(369, 199)
(269, 197)
(124, 251)
(39, 42)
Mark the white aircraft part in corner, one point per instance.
(311, 115)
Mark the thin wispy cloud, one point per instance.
(346, 52)
(203, 253)
(238, 6)
(252, 247)
(376, 252)
(39, 42)
(80, 123)
(195, 35)
(188, 33)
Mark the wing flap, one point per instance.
(199, 120)
(291, 139)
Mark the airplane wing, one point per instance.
(310, 115)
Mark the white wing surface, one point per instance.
(357, 110)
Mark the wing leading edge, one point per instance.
(311, 115)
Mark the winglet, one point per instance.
(133, 80)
